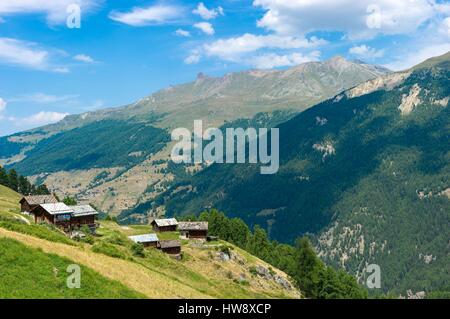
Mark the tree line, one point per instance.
(312, 276)
(10, 178)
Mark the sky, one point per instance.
(60, 57)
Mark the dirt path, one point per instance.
(134, 276)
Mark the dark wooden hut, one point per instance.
(164, 225)
(197, 230)
(28, 203)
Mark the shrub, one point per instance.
(138, 250)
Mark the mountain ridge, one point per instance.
(270, 96)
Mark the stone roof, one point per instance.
(145, 238)
(39, 199)
(186, 226)
(83, 210)
(165, 222)
(169, 244)
(56, 208)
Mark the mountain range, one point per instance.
(364, 162)
(118, 157)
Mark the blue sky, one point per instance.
(125, 50)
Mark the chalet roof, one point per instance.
(39, 199)
(192, 226)
(83, 210)
(169, 244)
(165, 222)
(146, 238)
(56, 208)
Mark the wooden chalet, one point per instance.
(148, 240)
(66, 217)
(172, 247)
(197, 230)
(164, 225)
(58, 214)
(28, 203)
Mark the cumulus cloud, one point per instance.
(84, 58)
(358, 19)
(366, 52)
(182, 33)
(153, 15)
(54, 10)
(417, 56)
(272, 60)
(206, 13)
(232, 49)
(205, 27)
(22, 53)
(43, 118)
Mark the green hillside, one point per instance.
(31, 274)
(8, 200)
(367, 173)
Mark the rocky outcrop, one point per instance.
(410, 101)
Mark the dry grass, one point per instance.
(134, 276)
(205, 261)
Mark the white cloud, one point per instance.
(206, 13)
(366, 52)
(42, 98)
(444, 28)
(153, 15)
(205, 27)
(232, 49)
(358, 19)
(43, 118)
(61, 70)
(193, 58)
(22, 53)
(182, 33)
(2, 105)
(272, 60)
(29, 55)
(54, 10)
(417, 56)
(84, 58)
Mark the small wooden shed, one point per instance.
(197, 230)
(172, 247)
(148, 240)
(84, 215)
(164, 225)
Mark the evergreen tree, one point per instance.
(42, 190)
(3, 177)
(13, 180)
(310, 269)
(70, 201)
(24, 186)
